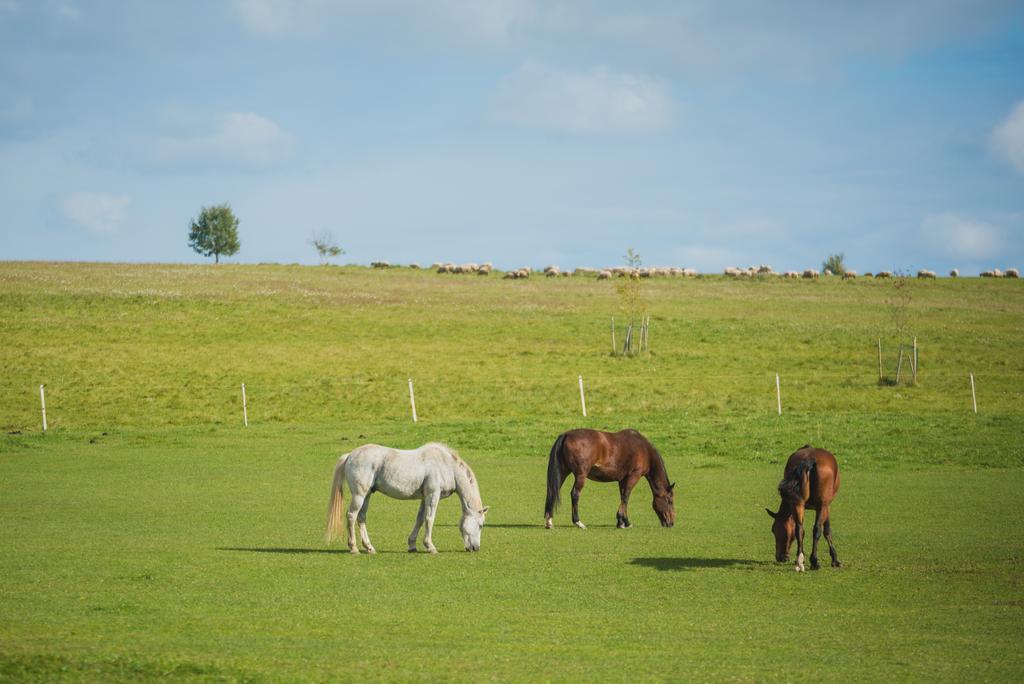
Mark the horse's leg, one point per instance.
(429, 511)
(815, 536)
(549, 505)
(363, 534)
(577, 487)
(828, 537)
(625, 487)
(416, 527)
(799, 515)
(354, 506)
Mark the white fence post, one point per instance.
(245, 408)
(583, 400)
(412, 401)
(974, 398)
(42, 401)
(778, 394)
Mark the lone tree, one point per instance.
(215, 232)
(326, 246)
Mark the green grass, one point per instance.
(148, 535)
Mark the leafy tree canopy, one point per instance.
(214, 232)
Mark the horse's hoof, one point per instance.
(798, 568)
(433, 552)
(580, 525)
(412, 549)
(370, 550)
(836, 564)
(354, 552)
(815, 566)
(548, 524)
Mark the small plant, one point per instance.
(326, 246)
(900, 303)
(631, 296)
(834, 263)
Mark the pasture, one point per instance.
(149, 534)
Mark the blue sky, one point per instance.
(521, 132)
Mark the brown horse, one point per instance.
(810, 480)
(622, 457)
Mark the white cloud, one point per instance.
(1008, 138)
(595, 101)
(96, 211)
(963, 237)
(240, 139)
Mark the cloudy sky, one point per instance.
(523, 132)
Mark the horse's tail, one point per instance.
(554, 476)
(796, 487)
(804, 471)
(335, 519)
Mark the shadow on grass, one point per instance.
(296, 551)
(698, 563)
(276, 549)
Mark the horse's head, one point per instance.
(471, 524)
(784, 530)
(664, 506)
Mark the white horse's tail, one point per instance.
(335, 519)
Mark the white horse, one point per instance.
(429, 473)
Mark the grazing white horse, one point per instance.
(429, 473)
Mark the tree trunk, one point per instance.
(216, 257)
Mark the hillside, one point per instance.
(159, 346)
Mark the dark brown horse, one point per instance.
(622, 457)
(810, 480)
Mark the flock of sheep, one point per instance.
(623, 271)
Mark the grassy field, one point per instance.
(148, 534)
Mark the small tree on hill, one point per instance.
(834, 263)
(631, 296)
(214, 232)
(326, 246)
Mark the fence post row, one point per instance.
(583, 399)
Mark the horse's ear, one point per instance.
(672, 486)
(485, 509)
(769, 512)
